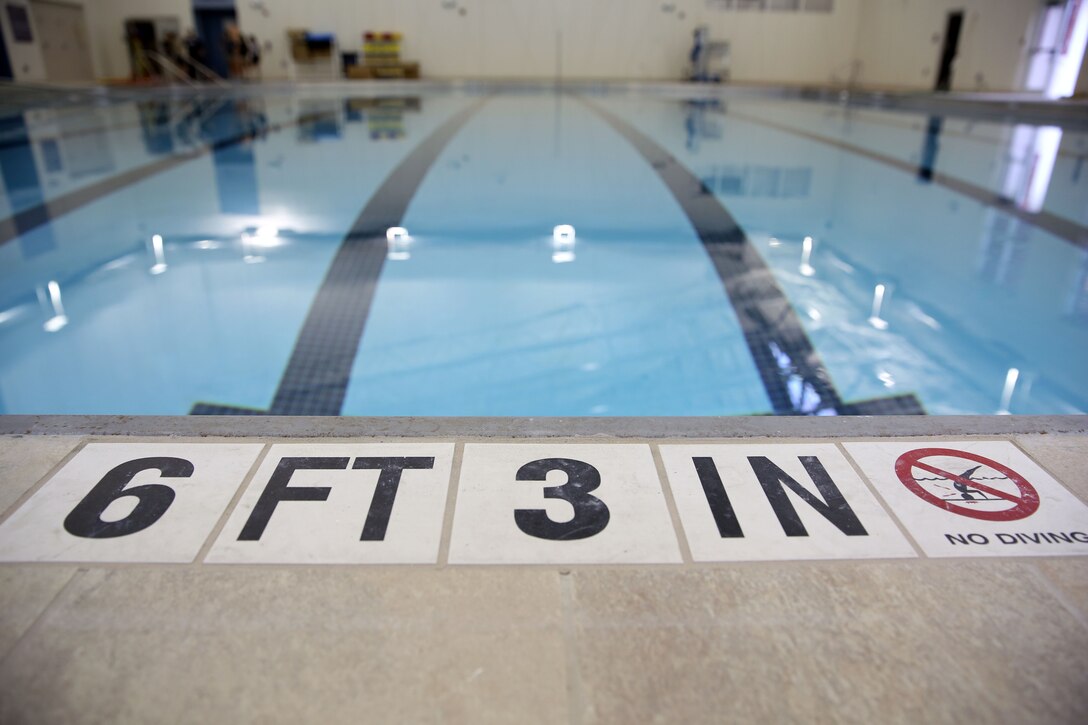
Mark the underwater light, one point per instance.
(160, 257)
(878, 302)
(563, 234)
(806, 255)
(398, 240)
(59, 319)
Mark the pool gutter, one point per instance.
(543, 427)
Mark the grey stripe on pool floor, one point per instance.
(316, 379)
(1060, 227)
(793, 375)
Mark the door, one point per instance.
(140, 36)
(949, 49)
(62, 33)
(210, 25)
(5, 64)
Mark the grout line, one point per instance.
(575, 691)
(880, 499)
(37, 486)
(1047, 470)
(451, 502)
(670, 502)
(225, 516)
(36, 624)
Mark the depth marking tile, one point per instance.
(341, 503)
(556, 503)
(974, 498)
(129, 502)
(777, 501)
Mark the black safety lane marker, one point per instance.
(317, 374)
(779, 346)
(33, 217)
(1065, 229)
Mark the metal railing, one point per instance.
(206, 72)
(171, 68)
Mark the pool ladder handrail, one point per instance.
(172, 69)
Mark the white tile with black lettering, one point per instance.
(741, 502)
(129, 502)
(974, 498)
(560, 504)
(341, 503)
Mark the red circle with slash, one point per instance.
(1025, 502)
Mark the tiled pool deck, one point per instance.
(995, 639)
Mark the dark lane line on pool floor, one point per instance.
(29, 219)
(1060, 227)
(779, 346)
(319, 369)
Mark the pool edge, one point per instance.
(542, 427)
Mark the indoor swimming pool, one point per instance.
(327, 250)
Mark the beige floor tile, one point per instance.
(1070, 576)
(290, 645)
(25, 591)
(1062, 455)
(881, 642)
(25, 459)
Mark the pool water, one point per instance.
(733, 255)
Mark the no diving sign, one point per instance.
(972, 498)
(1003, 495)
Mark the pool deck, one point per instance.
(920, 638)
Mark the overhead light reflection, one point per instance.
(1006, 394)
(9, 315)
(925, 319)
(59, 319)
(160, 256)
(207, 244)
(806, 257)
(804, 397)
(119, 263)
(878, 302)
(1047, 141)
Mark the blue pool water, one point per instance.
(740, 255)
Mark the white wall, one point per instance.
(26, 59)
(899, 42)
(598, 38)
(106, 25)
(896, 43)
